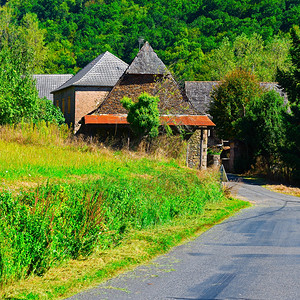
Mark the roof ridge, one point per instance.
(203, 81)
(100, 61)
(111, 67)
(119, 59)
(147, 62)
(93, 63)
(51, 74)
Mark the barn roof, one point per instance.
(276, 87)
(45, 83)
(104, 70)
(189, 120)
(198, 93)
(147, 62)
(147, 73)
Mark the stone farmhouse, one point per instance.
(90, 100)
(85, 91)
(147, 73)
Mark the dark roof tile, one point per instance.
(274, 86)
(147, 62)
(198, 93)
(45, 83)
(104, 70)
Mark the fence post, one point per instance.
(223, 175)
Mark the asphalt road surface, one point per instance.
(253, 255)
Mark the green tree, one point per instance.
(27, 37)
(231, 101)
(249, 53)
(262, 129)
(290, 81)
(143, 115)
(33, 42)
(243, 111)
(21, 53)
(18, 94)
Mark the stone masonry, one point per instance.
(87, 101)
(197, 150)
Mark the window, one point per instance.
(57, 103)
(63, 105)
(69, 105)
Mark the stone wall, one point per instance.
(197, 150)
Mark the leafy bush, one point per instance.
(49, 112)
(143, 115)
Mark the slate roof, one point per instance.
(274, 86)
(104, 70)
(147, 62)
(198, 93)
(45, 83)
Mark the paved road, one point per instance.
(253, 255)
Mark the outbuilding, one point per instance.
(147, 73)
(86, 90)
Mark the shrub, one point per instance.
(49, 113)
(143, 115)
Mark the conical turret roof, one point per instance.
(147, 62)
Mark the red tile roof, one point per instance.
(105, 119)
(170, 120)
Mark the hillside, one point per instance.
(183, 32)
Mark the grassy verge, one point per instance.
(75, 214)
(138, 247)
(284, 189)
(275, 186)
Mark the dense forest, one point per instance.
(197, 39)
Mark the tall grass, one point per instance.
(36, 134)
(41, 228)
(38, 229)
(92, 199)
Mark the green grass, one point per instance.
(38, 163)
(139, 246)
(73, 215)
